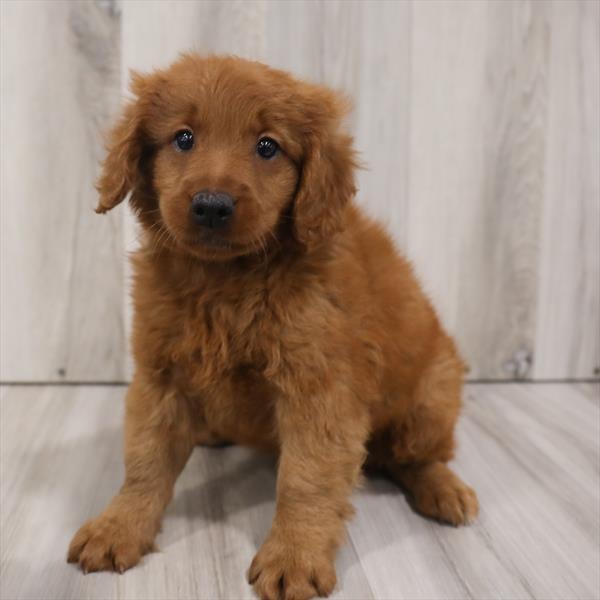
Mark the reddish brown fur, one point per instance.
(300, 330)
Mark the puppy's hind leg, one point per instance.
(437, 492)
(422, 443)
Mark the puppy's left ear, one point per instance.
(327, 178)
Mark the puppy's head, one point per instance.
(221, 155)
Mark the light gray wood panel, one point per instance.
(479, 93)
(235, 27)
(540, 445)
(61, 266)
(477, 122)
(568, 306)
(531, 451)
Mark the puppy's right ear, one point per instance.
(121, 167)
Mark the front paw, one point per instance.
(107, 543)
(288, 570)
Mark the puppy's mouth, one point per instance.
(216, 246)
(213, 243)
(211, 240)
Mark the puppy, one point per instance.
(269, 311)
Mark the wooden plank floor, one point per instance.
(531, 451)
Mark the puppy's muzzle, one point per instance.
(212, 210)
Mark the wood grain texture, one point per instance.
(531, 451)
(61, 269)
(568, 307)
(477, 155)
(477, 122)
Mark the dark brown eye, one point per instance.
(267, 148)
(184, 140)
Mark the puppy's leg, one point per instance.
(422, 442)
(322, 450)
(158, 442)
(437, 492)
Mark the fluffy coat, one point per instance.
(299, 329)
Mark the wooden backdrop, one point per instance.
(479, 122)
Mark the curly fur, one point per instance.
(299, 330)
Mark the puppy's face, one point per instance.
(225, 169)
(222, 155)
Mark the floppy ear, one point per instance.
(327, 177)
(121, 167)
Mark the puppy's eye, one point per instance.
(184, 140)
(267, 147)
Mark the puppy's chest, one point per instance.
(221, 334)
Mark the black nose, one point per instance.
(211, 209)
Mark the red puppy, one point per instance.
(269, 311)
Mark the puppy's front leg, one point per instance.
(322, 449)
(158, 442)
